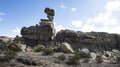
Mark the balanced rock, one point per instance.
(42, 32)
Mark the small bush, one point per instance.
(99, 59)
(9, 55)
(14, 47)
(74, 59)
(78, 55)
(2, 64)
(48, 51)
(62, 57)
(86, 60)
(38, 48)
(84, 55)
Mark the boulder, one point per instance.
(93, 55)
(85, 50)
(66, 47)
(116, 51)
(92, 58)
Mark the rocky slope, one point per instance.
(29, 57)
(40, 46)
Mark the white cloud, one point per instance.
(88, 28)
(59, 27)
(10, 35)
(63, 6)
(106, 19)
(88, 20)
(16, 30)
(113, 5)
(103, 21)
(73, 9)
(77, 23)
(110, 29)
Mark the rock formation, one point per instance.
(50, 13)
(44, 32)
(40, 46)
(92, 40)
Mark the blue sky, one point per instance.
(79, 15)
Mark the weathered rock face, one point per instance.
(67, 36)
(92, 40)
(43, 32)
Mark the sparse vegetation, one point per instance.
(48, 51)
(38, 49)
(74, 59)
(2, 64)
(8, 55)
(14, 47)
(62, 57)
(86, 60)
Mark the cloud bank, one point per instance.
(103, 21)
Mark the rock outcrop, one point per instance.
(43, 32)
(92, 40)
